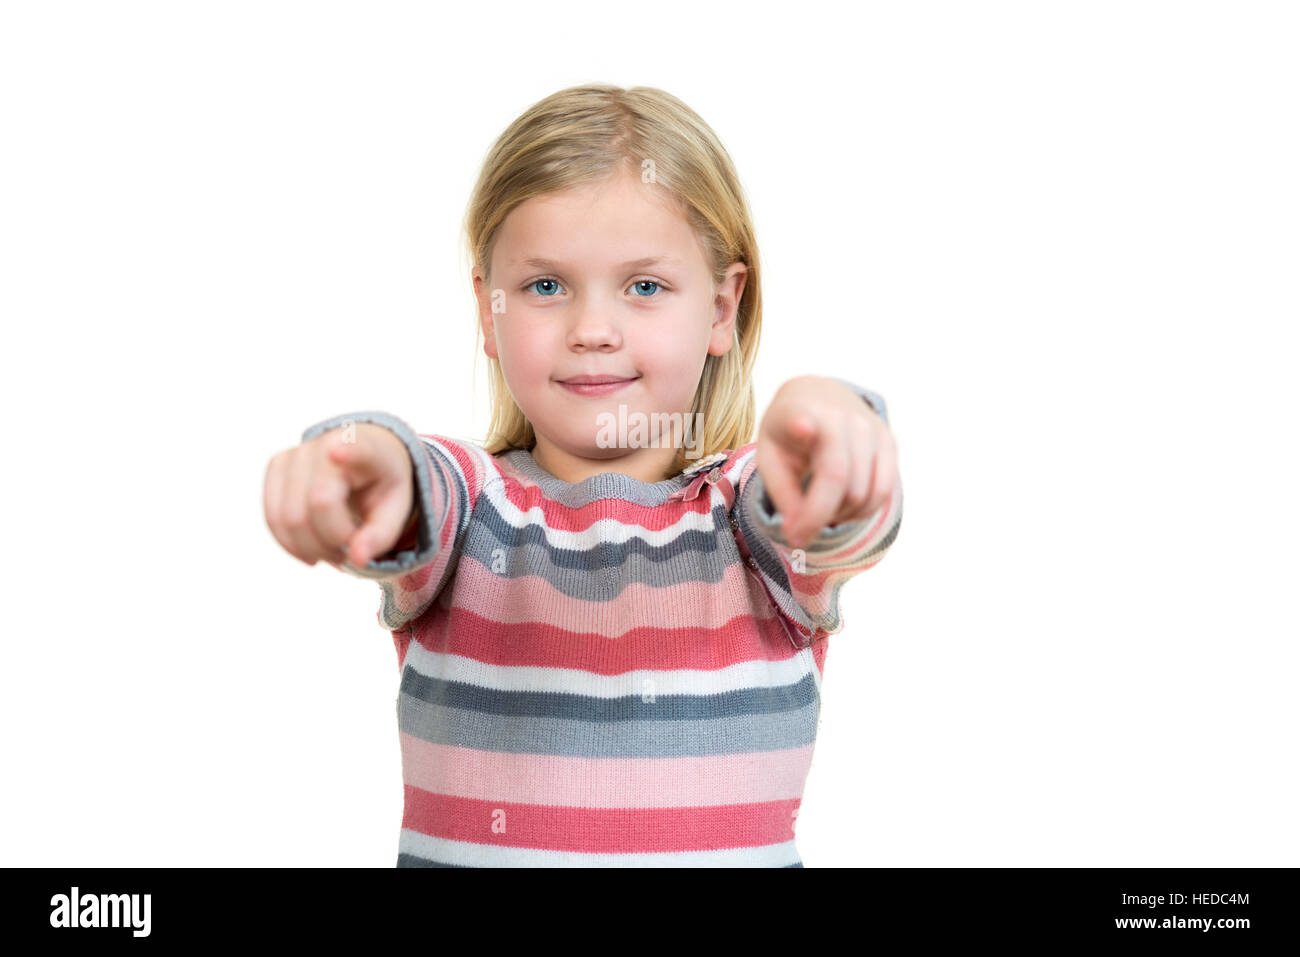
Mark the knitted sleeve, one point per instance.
(448, 478)
(804, 584)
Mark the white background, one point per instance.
(1061, 239)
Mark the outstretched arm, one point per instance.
(804, 582)
(446, 486)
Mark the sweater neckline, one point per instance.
(605, 484)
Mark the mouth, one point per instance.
(596, 384)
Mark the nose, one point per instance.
(593, 331)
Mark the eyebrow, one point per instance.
(539, 263)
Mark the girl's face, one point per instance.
(577, 294)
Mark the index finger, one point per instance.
(362, 461)
(782, 463)
(830, 479)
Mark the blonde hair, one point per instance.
(580, 136)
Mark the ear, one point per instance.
(485, 318)
(726, 306)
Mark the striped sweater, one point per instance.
(609, 672)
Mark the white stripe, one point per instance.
(487, 855)
(604, 530)
(745, 674)
(738, 466)
(807, 653)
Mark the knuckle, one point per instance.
(334, 439)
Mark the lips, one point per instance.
(596, 379)
(596, 384)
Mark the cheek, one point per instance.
(525, 352)
(671, 353)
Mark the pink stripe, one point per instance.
(562, 780)
(532, 598)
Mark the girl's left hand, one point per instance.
(818, 426)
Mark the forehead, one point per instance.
(612, 223)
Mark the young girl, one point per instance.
(610, 643)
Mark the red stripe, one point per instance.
(599, 830)
(462, 632)
(524, 495)
(402, 641)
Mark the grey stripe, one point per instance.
(411, 860)
(594, 738)
(464, 696)
(606, 485)
(601, 571)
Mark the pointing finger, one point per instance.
(830, 476)
(782, 470)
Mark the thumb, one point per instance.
(380, 527)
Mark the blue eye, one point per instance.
(646, 288)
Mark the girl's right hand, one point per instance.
(339, 500)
